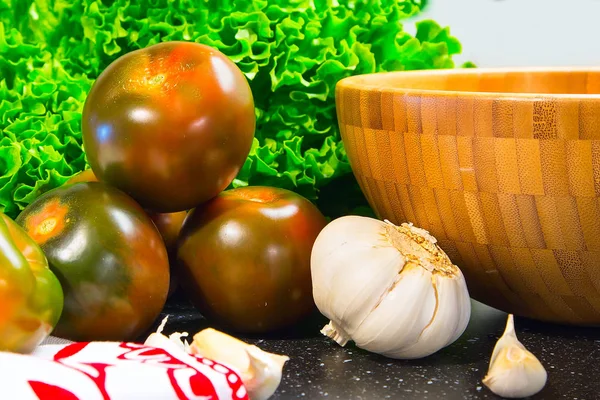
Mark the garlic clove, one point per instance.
(267, 371)
(445, 326)
(514, 372)
(412, 290)
(260, 371)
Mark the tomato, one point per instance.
(243, 258)
(108, 256)
(171, 124)
(31, 298)
(169, 225)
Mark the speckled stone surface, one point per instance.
(320, 369)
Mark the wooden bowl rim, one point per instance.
(376, 82)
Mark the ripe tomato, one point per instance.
(168, 224)
(108, 256)
(31, 298)
(244, 258)
(171, 124)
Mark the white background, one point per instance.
(522, 32)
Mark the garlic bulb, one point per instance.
(391, 289)
(260, 371)
(514, 372)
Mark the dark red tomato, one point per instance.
(171, 124)
(108, 256)
(244, 258)
(169, 225)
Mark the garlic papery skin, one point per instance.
(260, 371)
(390, 289)
(173, 343)
(514, 372)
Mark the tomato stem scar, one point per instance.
(48, 222)
(47, 226)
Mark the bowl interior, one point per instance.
(525, 81)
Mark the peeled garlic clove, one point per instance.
(514, 372)
(390, 289)
(259, 370)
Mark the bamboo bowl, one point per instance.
(502, 166)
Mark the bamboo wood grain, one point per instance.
(502, 166)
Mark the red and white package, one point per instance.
(115, 371)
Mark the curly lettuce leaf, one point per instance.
(293, 52)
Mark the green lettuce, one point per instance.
(292, 52)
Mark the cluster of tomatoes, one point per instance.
(165, 130)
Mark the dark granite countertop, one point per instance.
(320, 369)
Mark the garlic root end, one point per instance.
(332, 331)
